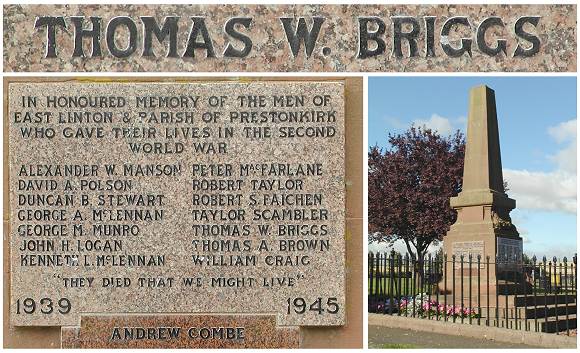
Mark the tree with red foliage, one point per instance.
(409, 186)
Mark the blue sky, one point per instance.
(537, 128)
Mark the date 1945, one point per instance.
(301, 306)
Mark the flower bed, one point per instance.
(421, 306)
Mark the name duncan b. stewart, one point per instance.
(171, 333)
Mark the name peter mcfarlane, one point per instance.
(174, 333)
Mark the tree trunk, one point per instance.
(420, 268)
(410, 250)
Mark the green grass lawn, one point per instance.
(403, 287)
(395, 346)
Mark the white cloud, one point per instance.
(444, 126)
(564, 131)
(436, 123)
(395, 122)
(462, 120)
(552, 191)
(565, 158)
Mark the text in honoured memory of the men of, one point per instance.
(199, 197)
(463, 249)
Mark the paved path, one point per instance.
(386, 337)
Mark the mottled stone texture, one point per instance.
(323, 277)
(259, 331)
(24, 46)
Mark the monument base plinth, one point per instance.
(483, 256)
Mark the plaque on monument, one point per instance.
(163, 199)
(463, 249)
(510, 250)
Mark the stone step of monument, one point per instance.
(508, 288)
(531, 313)
(538, 299)
(501, 288)
(560, 324)
(521, 301)
(550, 311)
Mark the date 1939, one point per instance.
(44, 305)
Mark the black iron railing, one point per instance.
(525, 294)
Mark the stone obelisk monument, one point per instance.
(483, 225)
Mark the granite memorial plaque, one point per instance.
(509, 249)
(466, 248)
(206, 198)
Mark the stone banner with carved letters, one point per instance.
(274, 38)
